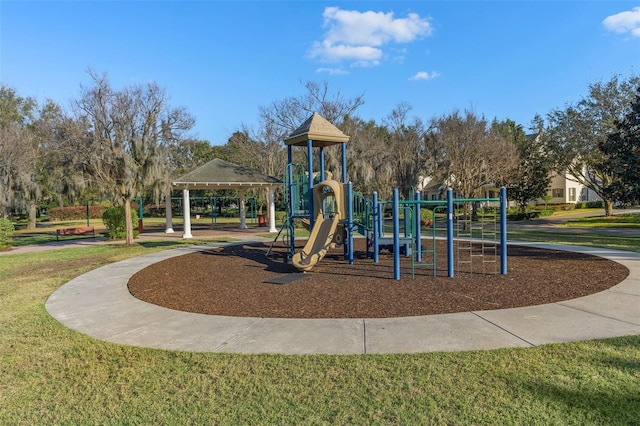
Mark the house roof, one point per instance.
(220, 174)
(433, 186)
(319, 131)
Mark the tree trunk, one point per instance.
(32, 215)
(608, 207)
(129, 225)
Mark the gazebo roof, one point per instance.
(220, 174)
(319, 130)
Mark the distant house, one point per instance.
(564, 190)
(431, 189)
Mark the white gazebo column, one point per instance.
(272, 211)
(243, 213)
(167, 213)
(186, 213)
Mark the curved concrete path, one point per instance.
(99, 304)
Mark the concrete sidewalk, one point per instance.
(99, 304)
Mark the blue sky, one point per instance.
(222, 60)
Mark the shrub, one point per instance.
(114, 220)
(58, 214)
(6, 233)
(525, 216)
(594, 204)
(426, 214)
(589, 205)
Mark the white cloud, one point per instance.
(424, 75)
(333, 71)
(338, 52)
(628, 21)
(361, 36)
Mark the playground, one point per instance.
(362, 261)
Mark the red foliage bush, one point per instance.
(75, 213)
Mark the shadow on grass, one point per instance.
(586, 394)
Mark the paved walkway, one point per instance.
(99, 304)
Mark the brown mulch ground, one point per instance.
(233, 281)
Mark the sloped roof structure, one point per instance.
(319, 130)
(220, 174)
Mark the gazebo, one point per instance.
(220, 174)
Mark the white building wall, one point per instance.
(567, 191)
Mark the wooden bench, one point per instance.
(80, 230)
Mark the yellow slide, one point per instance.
(318, 243)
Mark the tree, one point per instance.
(532, 176)
(470, 153)
(60, 168)
(368, 157)
(15, 109)
(575, 134)
(286, 115)
(130, 133)
(19, 158)
(406, 146)
(282, 117)
(188, 154)
(15, 166)
(622, 156)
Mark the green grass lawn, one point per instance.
(52, 375)
(614, 242)
(627, 220)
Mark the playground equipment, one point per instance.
(471, 234)
(316, 132)
(334, 213)
(329, 211)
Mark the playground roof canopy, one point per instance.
(319, 130)
(220, 174)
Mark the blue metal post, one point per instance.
(418, 237)
(292, 238)
(140, 209)
(376, 228)
(407, 228)
(321, 164)
(381, 220)
(344, 162)
(310, 181)
(350, 221)
(450, 232)
(396, 235)
(503, 230)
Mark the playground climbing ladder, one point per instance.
(476, 234)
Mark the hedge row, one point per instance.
(529, 215)
(75, 213)
(6, 233)
(589, 205)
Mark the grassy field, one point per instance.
(618, 221)
(52, 375)
(614, 242)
